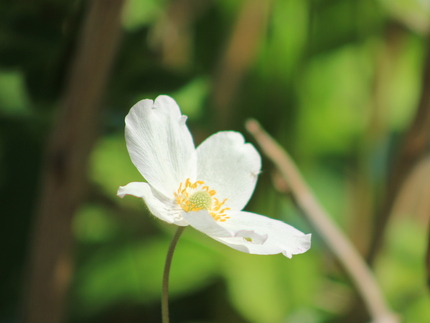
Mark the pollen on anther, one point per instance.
(192, 197)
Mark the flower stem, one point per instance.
(165, 289)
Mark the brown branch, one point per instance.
(238, 56)
(336, 240)
(172, 34)
(50, 265)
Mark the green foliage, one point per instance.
(284, 48)
(268, 288)
(13, 96)
(132, 271)
(336, 82)
(110, 155)
(401, 269)
(138, 13)
(192, 97)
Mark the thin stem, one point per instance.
(336, 240)
(165, 290)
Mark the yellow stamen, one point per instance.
(195, 197)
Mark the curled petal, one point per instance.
(251, 236)
(229, 166)
(204, 222)
(136, 189)
(155, 206)
(160, 144)
(281, 237)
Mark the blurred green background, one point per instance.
(336, 82)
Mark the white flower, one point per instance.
(206, 187)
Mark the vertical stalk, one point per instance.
(63, 179)
(165, 289)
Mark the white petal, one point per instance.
(160, 144)
(281, 237)
(204, 222)
(230, 167)
(136, 189)
(157, 207)
(251, 236)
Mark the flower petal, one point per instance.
(204, 222)
(160, 144)
(230, 167)
(157, 207)
(136, 189)
(281, 237)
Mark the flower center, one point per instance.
(195, 197)
(201, 200)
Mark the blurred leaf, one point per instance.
(111, 165)
(401, 270)
(13, 95)
(255, 287)
(288, 31)
(191, 97)
(230, 7)
(404, 87)
(133, 273)
(266, 288)
(333, 93)
(331, 190)
(138, 13)
(93, 223)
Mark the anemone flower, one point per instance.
(207, 187)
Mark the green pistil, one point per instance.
(200, 200)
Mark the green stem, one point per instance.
(165, 290)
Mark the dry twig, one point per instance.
(336, 240)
